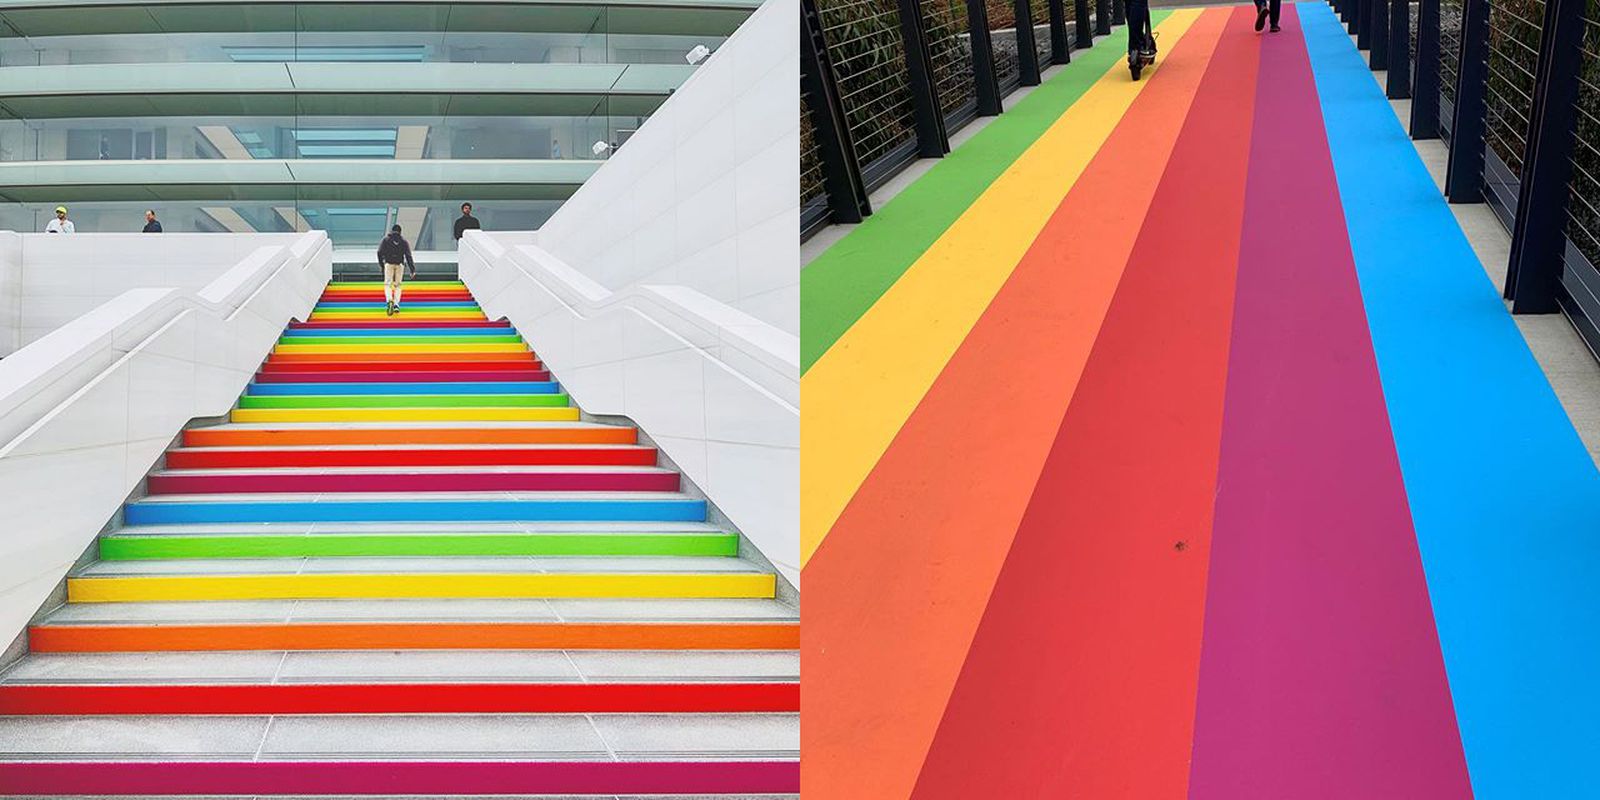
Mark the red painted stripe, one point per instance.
(484, 323)
(210, 458)
(401, 698)
(179, 483)
(1115, 539)
(415, 376)
(275, 366)
(368, 778)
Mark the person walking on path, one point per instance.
(1266, 8)
(60, 224)
(466, 222)
(151, 224)
(394, 255)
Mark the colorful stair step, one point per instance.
(399, 698)
(158, 512)
(364, 341)
(437, 387)
(464, 414)
(501, 455)
(382, 324)
(479, 360)
(414, 376)
(378, 586)
(380, 334)
(363, 349)
(132, 548)
(535, 480)
(436, 777)
(552, 399)
(230, 436)
(335, 636)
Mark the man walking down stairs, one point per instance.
(404, 566)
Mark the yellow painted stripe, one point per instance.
(535, 414)
(503, 347)
(386, 586)
(860, 392)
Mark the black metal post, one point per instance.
(1364, 25)
(1027, 48)
(1084, 23)
(932, 139)
(1102, 17)
(841, 172)
(1378, 58)
(1463, 182)
(1060, 52)
(1425, 90)
(1353, 16)
(988, 86)
(1538, 234)
(1119, 14)
(1398, 86)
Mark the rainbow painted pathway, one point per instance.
(1167, 440)
(405, 567)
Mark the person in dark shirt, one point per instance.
(466, 222)
(394, 251)
(151, 225)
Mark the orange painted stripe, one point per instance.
(302, 436)
(413, 636)
(302, 358)
(960, 481)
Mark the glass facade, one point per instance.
(444, 83)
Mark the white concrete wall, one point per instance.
(10, 292)
(707, 194)
(87, 409)
(60, 278)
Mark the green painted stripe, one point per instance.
(133, 548)
(510, 338)
(844, 281)
(403, 401)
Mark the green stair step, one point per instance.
(405, 401)
(133, 548)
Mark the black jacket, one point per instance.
(153, 226)
(465, 223)
(394, 250)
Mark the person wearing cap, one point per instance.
(60, 224)
(394, 251)
(151, 224)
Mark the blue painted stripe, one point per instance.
(1505, 498)
(509, 387)
(496, 330)
(684, 510)
(403, 302)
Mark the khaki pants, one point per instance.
(393, 276)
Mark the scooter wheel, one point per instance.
(1136, 66)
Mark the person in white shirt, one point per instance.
(60, 224)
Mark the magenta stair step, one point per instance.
(357, 778)
(184, 482)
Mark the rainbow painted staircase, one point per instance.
(406, 567)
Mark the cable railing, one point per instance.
(868, 60)
(1003, 39)
(950, 50)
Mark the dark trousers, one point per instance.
(1274, 8)
(1138, 14)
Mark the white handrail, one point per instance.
(87, 409)
(717, 389)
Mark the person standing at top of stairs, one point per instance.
(466, 222)
(392, 251)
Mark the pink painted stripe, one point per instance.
(408, 323)
(180, 483)
(452, 778)
(1320, 674)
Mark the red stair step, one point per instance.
(400, 698)
(179, 483)
(217, 458)
(409, 323)
(275, 364)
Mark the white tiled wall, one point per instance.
(707, 194)
(57, 279)
(88, 408)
